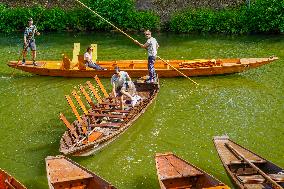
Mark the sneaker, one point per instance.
(133, 102)
(34, 63)
(23, 62)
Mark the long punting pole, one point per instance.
(239, 155)
(131, 38)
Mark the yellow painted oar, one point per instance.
(130, 38)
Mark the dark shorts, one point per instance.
(118, 90)
(31, 45)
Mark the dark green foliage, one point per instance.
(120, 13)
(264, 16)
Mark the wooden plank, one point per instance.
(106, 125)
(101, 86)
(68, 125)
(107, 115)
(78, 99)
(88, 98)
(94, 91)
(93, 137)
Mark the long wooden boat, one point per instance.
(174, 172)
(65, 173)
(138, 68)
(9, 182)
(103, 122)
(246, 169)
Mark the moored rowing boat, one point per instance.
(138, 68)
(104, 122)
(7, 181)
(65, 173)
(246, 169)
(174, 172)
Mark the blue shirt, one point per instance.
(30, 32)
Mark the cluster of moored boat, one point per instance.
(104, 121)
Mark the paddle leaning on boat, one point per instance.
(246, 169)
(105, 120)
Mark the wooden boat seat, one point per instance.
(110, 110)
(116, 125)
(119, 116)
(66, 63)
(259, 179)
(93, 137)
(260, 161)
(81, 62)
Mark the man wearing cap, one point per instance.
(120, 85)
(29, 41)
(152, 47)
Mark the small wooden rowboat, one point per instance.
(65, 173)
(138, 68)
(9, 182)
(104, 121)
(175, 173)
(246, 169)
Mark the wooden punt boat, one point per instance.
(246, 169)
(138, 68)
(65, 173)
(175, 173)
(103, 122)
(9, 182)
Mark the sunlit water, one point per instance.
(248, 107)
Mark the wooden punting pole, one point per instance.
(240, 156)
(87, 96)
(101, 86)
(94, 91)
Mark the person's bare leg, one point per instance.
(34, 55)
(24, 56)
(127, 94)
(121, 103)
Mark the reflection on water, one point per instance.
(248, 107)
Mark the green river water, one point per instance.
(248, 107)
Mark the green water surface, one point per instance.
(248, 107)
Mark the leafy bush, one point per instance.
(264, 16)
(120, 13)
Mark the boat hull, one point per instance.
(7, 181)
(139, 69)
(241, 174)
(65, 173)
(174, 172)
(149, 90)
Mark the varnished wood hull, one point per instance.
(174, 172)
(148, 91)
(138, 68)
(242, 175)
(7, 181)
(65, 173)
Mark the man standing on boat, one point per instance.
(29, 41)
(88, 60)
(120, 84)
(152, 47)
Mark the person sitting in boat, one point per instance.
(88, 60)
(121, 83)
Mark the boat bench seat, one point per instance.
(116, 125)
(259, 179)
(119, 116)
(243, 162)
(110, 110)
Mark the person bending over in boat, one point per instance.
(88, 60)
(152, 47)
(121, 83)
(29, 41)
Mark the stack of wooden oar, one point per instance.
(103, 114)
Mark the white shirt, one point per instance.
(88, 56)
(152, 46)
